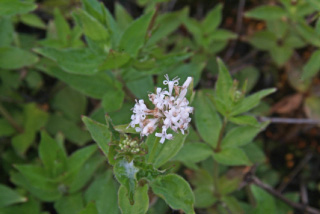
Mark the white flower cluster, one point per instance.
(171, 111)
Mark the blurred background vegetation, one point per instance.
(60, 59)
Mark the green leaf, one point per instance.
(312, 66)
(52, 155)
(94, 85)
(240, 136)
(308, 33)
(76, 162)
(266, 12)
(175, 191)
(14, 58)
(5, 128)
(14, 7)
(32, 20)
(311, 106)
(93, 29)
(34, 118)
(165, 24)
(222, 35)
(233, 204)
(254, 153)
(113, 27)
(232, 157)
(89, 209)
(315, 4)
(281, 54)
(95, 9)
(265, 202)
(125, 173)
(248, 76)
(71, 103)
(141, 200)
(194, 152)
(9, 196)
(115, 60)
(223, 84)
(86, 172)
(140, 87)
(263, 40)
(75, 61)
(294, 41)
(34, 80)
(35, 180)
(113, 100)
(207, 120)
(204, 197)
(227, 185)
(278, 27)
(194, 28)
(103, 192)
(122, 16)
(62, 27)
(31, 206)
(6, 33)
(244, 120)
(167, 150)
(212, 20)
(70, 129)
(136, 32)
(100, 134)
(251, 101)
(71, 204)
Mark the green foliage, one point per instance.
(61, 60)
(175, 191)
(232, 156)
(74, 61)
(14, 7)
(207, 119)
(9, 196)
(14, 58)
(100, 133)
(141, 200)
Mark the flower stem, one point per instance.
(218, 148)
(10, 119)
(152, 154)
(216, 178)
(215, 163)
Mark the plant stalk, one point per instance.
(218, 148)
(216, 178)
(215, 163)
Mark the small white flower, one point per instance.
(171, 83)
(184, 88)
(171, 111)
(164, 135)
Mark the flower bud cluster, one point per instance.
(171, 110)
(129, 145)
